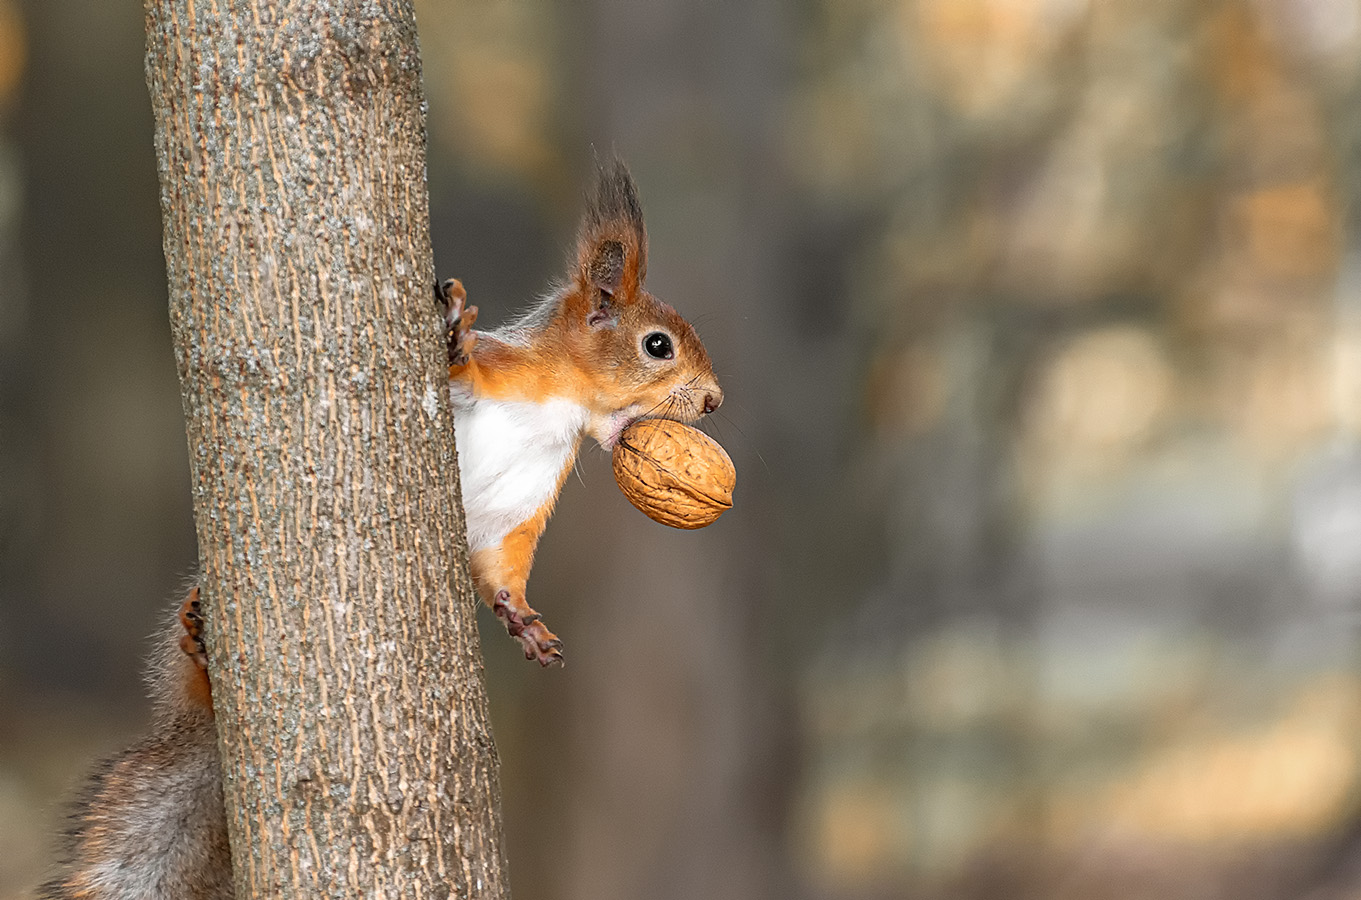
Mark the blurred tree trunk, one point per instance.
(679, 732)
(357, 753)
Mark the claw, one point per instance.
(550, 653)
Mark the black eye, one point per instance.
(658, 346)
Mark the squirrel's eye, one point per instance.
(658, 346)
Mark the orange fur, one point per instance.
(501, 371)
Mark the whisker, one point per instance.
(747, 441)
(739, 405)
(672, 403)
(649, 412)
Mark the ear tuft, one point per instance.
(615, 207)
(612, 245)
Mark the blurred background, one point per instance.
(1040, 327)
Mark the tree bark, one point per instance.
(357, 755)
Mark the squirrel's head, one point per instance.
(646, 360)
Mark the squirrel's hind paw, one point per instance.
(191, 617)
(526, 626)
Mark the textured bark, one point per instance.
(347, 675)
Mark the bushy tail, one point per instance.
(150, 824)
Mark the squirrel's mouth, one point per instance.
(613, 425)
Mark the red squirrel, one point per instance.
(593, 357)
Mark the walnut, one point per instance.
(676, 474)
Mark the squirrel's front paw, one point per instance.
(526, 626)
(458, 321)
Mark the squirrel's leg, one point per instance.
(501, 574)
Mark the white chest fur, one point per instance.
(510, 457)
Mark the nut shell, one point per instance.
(677, 475)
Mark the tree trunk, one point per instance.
(357, 755)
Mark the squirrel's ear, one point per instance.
(606, 268)
(612, 245)
(604, 277)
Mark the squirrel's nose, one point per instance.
(712, 402)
